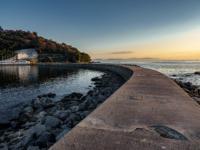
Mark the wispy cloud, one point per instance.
(148, 58)
(97, 59)
(122, 52)
(144, 58)
(114, 59)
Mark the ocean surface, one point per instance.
(182, 70)
(21, 84)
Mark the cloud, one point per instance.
(122, 52)
(97, 59)
(114, 59)
(144, 58)
(148, 58)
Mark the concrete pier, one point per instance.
(148, 112)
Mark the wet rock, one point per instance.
(95, 79)
(22, 121)
(27, 110)
(90, 92)
(64, 126)
(188, 84)
(27, 125)
(56, 132)
(49, 144)
(70, 104)
(186, 90)
(82, 107)
(30, 137)
(62, 134)
(63, 115)
(101, 98)
(194, 88)
(42, 114)
(197, 73)
(51, 95)
(50, 105)
(5, 125)
(51, 121)
(67, 120)
(196, 99)
(33, 148)
(75, 123)
(74, 109)
(45, 137)
(86, 113)
(77, 95)
(33, 118)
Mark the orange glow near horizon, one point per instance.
(184, 47)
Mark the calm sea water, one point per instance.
(20, 84)
(184, 70)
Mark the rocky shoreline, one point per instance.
(43, 122)
(192, 90)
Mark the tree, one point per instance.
(35, 33)
(1, 28)
(48, 59)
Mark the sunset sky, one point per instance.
(112, 29)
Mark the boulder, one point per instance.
(77, 95)
(5, 125)
(45, 137)
(50, 105)
(56, 132)
(196, 99)
(62, 134)
(95, 79)
(186, 90)
(22, 121)
(74, 109)
(38, 130)
(62, 114)
(51, 121)
(51, 95)
(86, 113)
(49, 144)
(101, 98)
(197, 72)
(194, 88)
(188, 84)
(67, 120)
(82, 107)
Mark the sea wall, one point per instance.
(126, 73)
(149, 111)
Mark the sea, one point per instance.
(182, 70)
(19, 85)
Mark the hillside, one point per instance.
(11, 41)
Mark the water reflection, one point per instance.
(20, 84)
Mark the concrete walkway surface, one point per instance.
(150, 111)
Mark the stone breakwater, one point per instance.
(192, 90)
(43, 122)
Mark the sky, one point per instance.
(112, 29)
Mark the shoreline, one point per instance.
(192, 90)
(55, 119)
